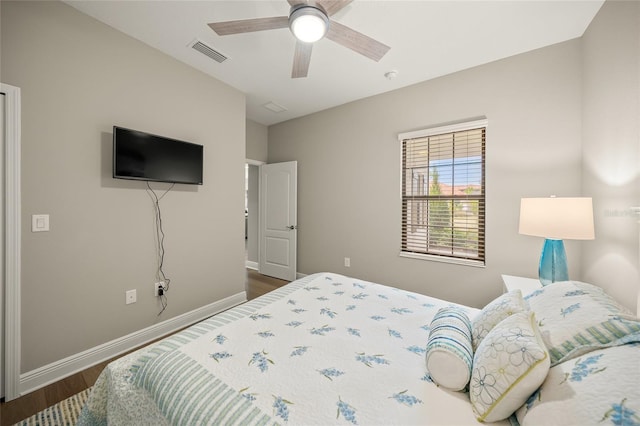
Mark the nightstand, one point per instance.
(526, 285)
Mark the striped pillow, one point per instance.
(576, 318)
(449, 354)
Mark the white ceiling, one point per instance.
(428, 39)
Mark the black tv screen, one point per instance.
(143, 156)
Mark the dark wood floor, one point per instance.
(21, 408)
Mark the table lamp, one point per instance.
(556, 219)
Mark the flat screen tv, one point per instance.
(143, 156)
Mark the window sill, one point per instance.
(442, 259)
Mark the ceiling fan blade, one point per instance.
(356, 41)
(249, 25)
(333, 6)
(301, 59)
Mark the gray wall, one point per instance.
(611, 147)
(257, 141)
(349, 170)
(78, 78)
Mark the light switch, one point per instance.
(39, 223)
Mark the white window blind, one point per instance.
(443, 192)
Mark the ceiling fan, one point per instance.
(309, 22)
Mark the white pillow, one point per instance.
(509, 365)
(600, 387)
(449, 355)
(497, 310)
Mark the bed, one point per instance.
(329, 349)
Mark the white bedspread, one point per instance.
(323, 350)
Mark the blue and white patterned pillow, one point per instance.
(576, 318)
(449, 353)
(600, 387)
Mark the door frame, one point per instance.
(256, 265)
(12, 252)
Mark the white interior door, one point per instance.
(2, 146)
(278, 219)
(11, 240)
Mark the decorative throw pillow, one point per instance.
(497, 310)
(449, 355)
(600, 387)
(509, 365)
(576, 318)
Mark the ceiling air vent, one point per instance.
(208, 51)
(274, 107)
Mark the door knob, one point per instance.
(292, 227)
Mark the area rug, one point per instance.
(64, 413)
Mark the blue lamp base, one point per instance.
(553, 262)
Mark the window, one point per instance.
(443, 193)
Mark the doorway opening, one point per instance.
(251, 213)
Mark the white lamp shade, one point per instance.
(559, 218)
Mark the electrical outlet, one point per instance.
(131, 297)
(157, 288)
(347, 262)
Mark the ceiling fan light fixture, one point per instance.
(308, 23)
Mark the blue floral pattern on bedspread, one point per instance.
(334, 351)
(600, 387)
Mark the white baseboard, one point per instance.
(58, 370)
(256, 267)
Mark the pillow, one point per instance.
(576, 318)
(497, 310)
(510, 364)
(598, 387)
(449, 355)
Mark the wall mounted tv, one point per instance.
(142, 156)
